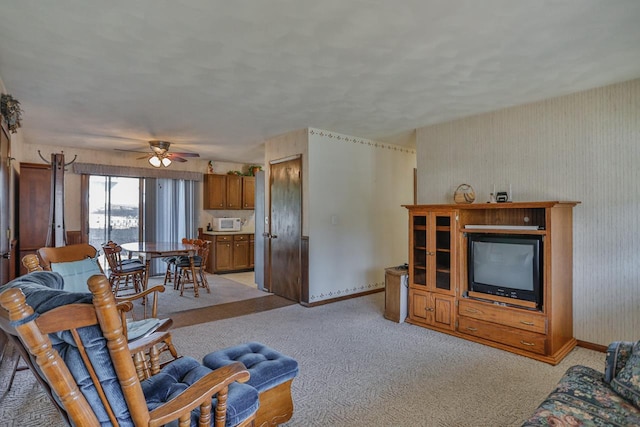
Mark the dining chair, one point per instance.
(123, 269)
(184, 274)
(76, 344)
(170, 272)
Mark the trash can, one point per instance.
(396, 293)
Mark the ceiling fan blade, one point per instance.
(130, 151)
(143, 157)
(185, 154)
(177, 159)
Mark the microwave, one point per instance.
(226, 224)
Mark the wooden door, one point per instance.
(441, 311)
(4, 208)
(285, 228)
(34, 201)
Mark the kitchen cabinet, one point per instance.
(229, 252)
(234, 192)
(248, 192)
(228, 192)
(215, 191)
(240, 252)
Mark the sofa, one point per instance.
(586, 397)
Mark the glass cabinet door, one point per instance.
(441, 252)
(431, 242)
(419, 249)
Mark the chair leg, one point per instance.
(203, 280)
(168, 275)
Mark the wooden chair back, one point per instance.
(113, 254)
(70, 319)
(67, 253)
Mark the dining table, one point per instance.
(149, 250)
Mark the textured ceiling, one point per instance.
(220, 77)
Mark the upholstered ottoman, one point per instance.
(271, 374)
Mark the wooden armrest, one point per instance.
(144, 343)
(157, 288)
(124, 306)
(203, 389)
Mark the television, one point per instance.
(506, 265)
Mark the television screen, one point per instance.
(503, 264)
(506, 265)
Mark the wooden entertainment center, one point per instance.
(439, 296)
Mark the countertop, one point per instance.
(226, 233)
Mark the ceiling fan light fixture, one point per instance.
(155, 161)
(166, 162)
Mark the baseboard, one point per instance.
(329, 301)
(592, 346)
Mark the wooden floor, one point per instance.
(227, 310)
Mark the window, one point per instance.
(125, 209)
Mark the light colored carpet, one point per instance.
(223, 290)
(359, 369)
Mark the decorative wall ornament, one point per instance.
(10, 109)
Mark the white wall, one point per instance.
(583, 147)
(357, 226)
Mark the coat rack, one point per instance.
(56, 235)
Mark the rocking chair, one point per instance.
(77, 342)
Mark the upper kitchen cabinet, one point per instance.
(228, 192)
(215, 191)
(248, 192)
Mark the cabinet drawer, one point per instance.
(241, 238)
(224, 238)
(529, 341)
(533, 322)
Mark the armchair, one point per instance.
(77, 342)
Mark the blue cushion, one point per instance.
(174, 378)
(133, 265)
(76, 273)
(267, 367)
(183, 261)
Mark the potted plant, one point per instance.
(11, 111)
(254, 169)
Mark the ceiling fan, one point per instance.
(160, 155)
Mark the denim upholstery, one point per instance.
(43, 292)
(267, 367)
(585, 396)
(242, 400)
